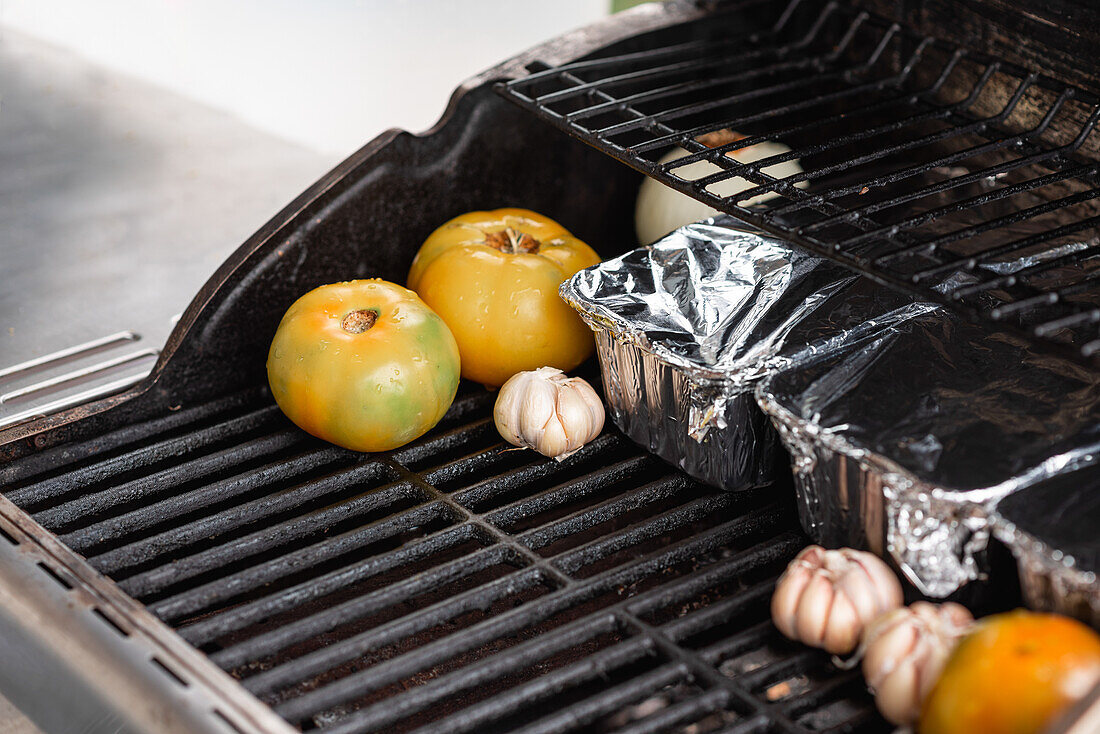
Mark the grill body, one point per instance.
(244, 577)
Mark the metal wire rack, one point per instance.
(948, 174)
(452, 585)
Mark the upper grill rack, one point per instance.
(948, 174)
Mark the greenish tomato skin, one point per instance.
(370, 391)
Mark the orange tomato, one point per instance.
(1014, 674)
(363, 364)
(493, 277)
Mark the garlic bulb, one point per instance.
(546, 411)
(660, 209)
(826, 598)
(904, 652)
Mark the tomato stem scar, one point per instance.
(510, 241)
(359, 321)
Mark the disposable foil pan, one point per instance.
(1053, 530)
(687, 326)
(905, 442)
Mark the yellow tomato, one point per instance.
(493, 277)
(363, 364)
(1013, 674)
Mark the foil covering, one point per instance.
(1052, 530)
(686, 327)
(908, 439)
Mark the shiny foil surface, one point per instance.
(1053, 530)
(906, 441)
(686, 327)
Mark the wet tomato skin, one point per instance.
(493, 276)
(366, 389)
(1013, 674)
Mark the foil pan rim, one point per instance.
(596, 320)
(834, 441)
(1042, 553)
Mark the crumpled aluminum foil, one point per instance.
(1052, 529)
(930, 422)
(687, 326)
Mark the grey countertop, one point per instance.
(117, 201)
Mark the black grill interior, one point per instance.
(453, 585)
(943, 172)
(459, 585)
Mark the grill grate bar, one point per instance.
(983, 199)
(671, 70)
(818, 121)
(697, 510)
(98, 504)
(660, 121)
(48, 461)
(719, 612)
(243, 615)
(300, 496)
(363, 606)
(395, 669)
(871, 132)
(837, 684)
(970, 262)
(567, 492)
(509, 481)
(1005, 281)
(581, 520)
(733, 645)
(184, 503)
(449, 440)
(251, 578)
(976, 127)
(677, 715)
(181, 569)
(596, 666)
(584, 712)
(1083, 286)
(496, 627)
(34, 495)
(739, 696)
(1002, 221)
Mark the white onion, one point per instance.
(661, 209)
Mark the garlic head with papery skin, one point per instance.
(546, 411)
(904, 652)
(826, 598)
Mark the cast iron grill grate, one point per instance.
(951, 175)
(452, 585)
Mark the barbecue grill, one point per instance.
(180, 558)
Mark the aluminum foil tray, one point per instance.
(906, 442)
(1052, 530)
(686, 327)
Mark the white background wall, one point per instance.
(327, 74)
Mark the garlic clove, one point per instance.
(897, 695)
(844, 627)
(884, 589)
(785, 600)
(893, 640)
(813, 609)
